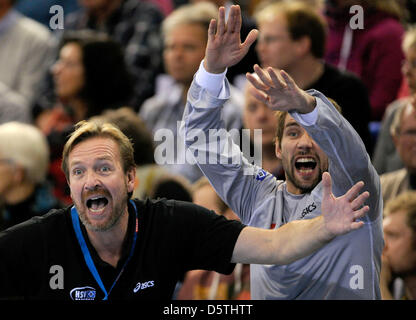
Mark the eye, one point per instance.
(76, 172)
(105, 169)
(292, 133)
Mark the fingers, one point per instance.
(356, 225)
(277, 80)
(353, 192)
(326, 186)
(234, 19)
(288, 80)
(221, 21)
(359, 201)
(361, 212)
(257, 92)
(212, 28)
(264, 77)
(255, 81)
(251, 37)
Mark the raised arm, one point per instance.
(300, 238)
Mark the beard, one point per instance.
(119, 207)
(302, 185)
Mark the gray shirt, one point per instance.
(349, 266)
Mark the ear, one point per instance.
(303, 46)
(131, 179)
(277, 149)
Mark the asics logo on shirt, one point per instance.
(143, 285)
(308, 209)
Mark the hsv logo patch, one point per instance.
(261, 175)
(83, 293)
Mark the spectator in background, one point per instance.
(135, 24)
(210, 285)
(292, 37)
(26, 52)
(258, 116)
(185, 38)
(24, 159)
(89, 77)
(403, 131)
(386, 158)
(373, 52)
(236, 74)
(399, 255)
(170, 186)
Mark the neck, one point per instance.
(19, 193)
(109, 244)
(79, 109)
(306, 71)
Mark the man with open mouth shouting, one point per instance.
(107, 246)
(312, 138)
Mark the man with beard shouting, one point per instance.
(312, 138)
(107, 246)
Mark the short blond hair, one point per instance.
(25, 145)
(92, 129)
(194, 13)
(406, 202)
(409, 40)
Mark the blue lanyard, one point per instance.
(87, 255)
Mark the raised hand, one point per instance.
(340, 213)
(279, 91)
(224, 47)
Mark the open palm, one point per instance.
(224, 48)
(340, 213)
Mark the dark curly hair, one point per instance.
(108, 83)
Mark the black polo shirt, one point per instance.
(42, 258)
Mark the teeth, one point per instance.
(305, 160)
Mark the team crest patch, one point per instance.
(261, 175)
(83, 293)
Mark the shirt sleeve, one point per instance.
(212, 82)
(208, 238)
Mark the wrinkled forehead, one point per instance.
(94, 148)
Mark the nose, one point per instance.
(91, 181)
(56, 68)
(305, 141)
(262, 113)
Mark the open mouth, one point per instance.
(305, 164)
(97, 203)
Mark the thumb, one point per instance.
(326, 186)
(251, 37)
